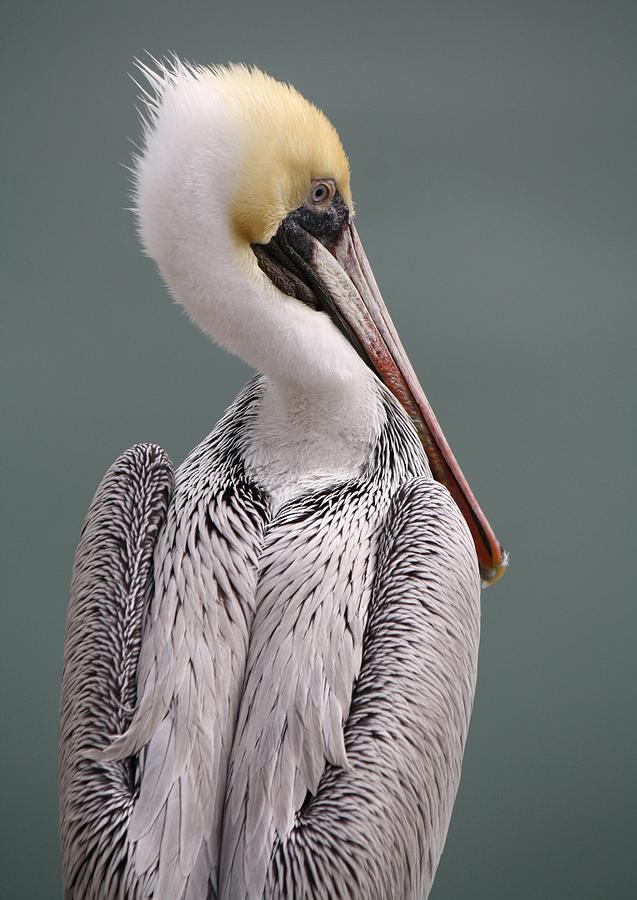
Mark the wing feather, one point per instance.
(111, 580)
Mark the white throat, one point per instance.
(306, 438)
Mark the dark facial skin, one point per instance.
(284, 259)
(287, 258)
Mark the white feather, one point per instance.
(320, 414)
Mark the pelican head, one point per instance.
(243, 200)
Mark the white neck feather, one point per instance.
(321, 409)
(308, 439)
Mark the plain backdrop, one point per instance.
(493, 150)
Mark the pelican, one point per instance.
(270, 655)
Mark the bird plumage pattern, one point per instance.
(271, 653)
(236, 619)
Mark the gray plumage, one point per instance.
(259, 701)
(111, 578)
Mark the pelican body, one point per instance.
(271, 653)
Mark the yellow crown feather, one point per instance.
(290, 141)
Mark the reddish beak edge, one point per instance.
(366, 316)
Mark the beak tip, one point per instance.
(491, 575)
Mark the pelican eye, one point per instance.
(322, 192)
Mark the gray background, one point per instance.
(493, 151)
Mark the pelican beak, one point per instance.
(326, 267)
